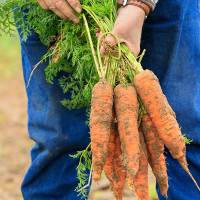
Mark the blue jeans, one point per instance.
(57, 132)
(172, 38)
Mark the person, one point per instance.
(171, 36)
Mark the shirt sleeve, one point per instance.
(151, 3)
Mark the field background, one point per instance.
(14, 142)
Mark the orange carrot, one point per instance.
(149, 90)
(114, 168)
(109, 164)
(155, 149)
(120, 171)
(100, 125)
(169, 107)
(126, 108)
(141, 179)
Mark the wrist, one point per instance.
(136, 3)
(133, 13)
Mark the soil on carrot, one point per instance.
(14, 141)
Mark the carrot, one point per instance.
(155, 149)
(169, 107)
(126, 108)
(149, 90)
(114, 168)
(109, 166)
(100, 125)
(119, 170)
(141, 179)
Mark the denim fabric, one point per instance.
(171, 37)
(56, 131)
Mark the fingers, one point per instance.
(43, 4)
(66, 10)
(50, 4)
(75, 4)
(58, 13)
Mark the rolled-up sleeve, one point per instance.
(151, 3)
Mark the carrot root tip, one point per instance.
(184, 165)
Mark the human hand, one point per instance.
(128, 28)
(65, 9)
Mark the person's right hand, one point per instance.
(128, 29)
(65, 9)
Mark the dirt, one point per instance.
(14, 143)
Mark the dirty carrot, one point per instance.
(149, 90)
(169, 107)
(141, 179)
(114, 169)
(109, 164)
(155, 149)
(120, 170)
(101, 118)
(108, 167)
(126, 108)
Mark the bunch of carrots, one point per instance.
(124, 141)
(131, 121)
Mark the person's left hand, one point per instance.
(128, 28)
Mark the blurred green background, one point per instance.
(10, 56)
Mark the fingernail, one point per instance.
(76, 20)
(78, 9)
